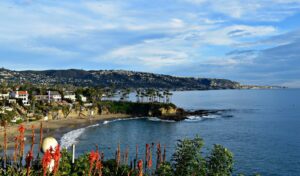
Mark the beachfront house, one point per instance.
(22, 95)
(54, 96)
(69, 95)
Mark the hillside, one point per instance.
(117, 78)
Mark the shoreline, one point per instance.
(55, 128)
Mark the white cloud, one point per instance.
(147, 55)
(256, 10)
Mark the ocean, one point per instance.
(261, 128)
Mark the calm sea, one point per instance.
(262, 129)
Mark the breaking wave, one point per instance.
(70, 138)
(116, 120)
(159, 120)
(200, 118)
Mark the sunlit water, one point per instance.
(263, 132)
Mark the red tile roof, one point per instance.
(22, 93)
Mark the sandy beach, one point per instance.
(55, 128)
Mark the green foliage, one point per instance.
(116, 79)
(65, 166)
(81, 165)
(134, 108)
(66, 110)
(165, 169)
(187, 159)
(7, 116)
(220, 161)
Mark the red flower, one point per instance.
(46, 161)
(21, 129)
(16, 148)
(94, 156)
(28, 160)
(140, 167)
(150, 160)
(21, 138)
(99, 166)
(56, 156)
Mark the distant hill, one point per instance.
(117, 78)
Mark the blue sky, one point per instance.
(251, 41)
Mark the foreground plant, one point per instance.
(186, 161)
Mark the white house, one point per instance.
(70, 95)
(83, 98)
(4, 96)
(12, 101)
(54, 96)
(23, 95)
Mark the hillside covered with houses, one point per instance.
(27, 102)
(120, 79)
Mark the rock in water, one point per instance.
(49, 142)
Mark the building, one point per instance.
(41, 97)
(54, 96)
(69, 95)
(12, 101)
(4, 96)
(83, 98)
(22, 95)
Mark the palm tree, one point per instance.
(167, 94)
(143, 95)
(138, 95)
(160, 97)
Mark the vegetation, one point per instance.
(148, 100)
(118, 79)
(134, 108)
(187, 160)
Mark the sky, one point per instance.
(250, 41)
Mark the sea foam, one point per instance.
(200, 118)
(70, 138)
(124, 119)
(159, 120)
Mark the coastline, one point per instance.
(56, 128)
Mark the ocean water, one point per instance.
(261, 128)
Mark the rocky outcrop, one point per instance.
(168, 111)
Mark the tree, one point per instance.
(66, 110)
(8, 115)
(220, 162)
(187, 159)
(138, 95)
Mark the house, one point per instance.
(4, 96)
(83, 98)
(41, 97)
(69, 95)
(12, 101)
(54, 96)
(22, 95)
